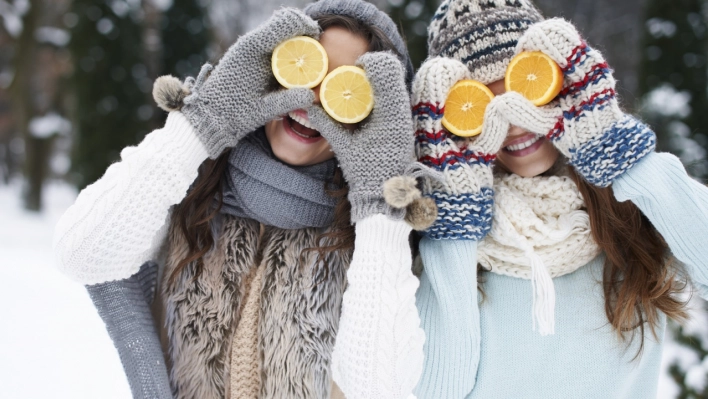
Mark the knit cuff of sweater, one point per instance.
(466, 216)
(377, 231)
(367, 205)
(209, 129)
(617, 150)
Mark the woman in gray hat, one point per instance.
(278, 263)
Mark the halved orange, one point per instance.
(535, 76)
(299, 62)
(465, 106)
(346, 94)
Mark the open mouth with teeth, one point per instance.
(298, 126)
(524, 145)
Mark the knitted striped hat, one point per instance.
(480, 33)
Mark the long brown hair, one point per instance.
(193, 216)
(640, 279)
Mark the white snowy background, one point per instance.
(54, 345)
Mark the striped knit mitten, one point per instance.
(464, 198)
(600, 140)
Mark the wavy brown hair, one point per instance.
(640, 278)
(193, 216)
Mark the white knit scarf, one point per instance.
(540, 231)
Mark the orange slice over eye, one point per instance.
(465, 106)
(535, 76)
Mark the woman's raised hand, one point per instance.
(465, 197)
(233, 100)
(382, 146)
(600, 140)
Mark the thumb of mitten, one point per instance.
(521, 112)
(494, 129)
(281, 102)
(337, 137)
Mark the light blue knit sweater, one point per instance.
(489, 350)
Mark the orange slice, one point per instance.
(346, 94)
(465, 106)
(536, 76)
(299, 62)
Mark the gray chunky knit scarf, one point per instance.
(260, 187)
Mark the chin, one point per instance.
(530, 165)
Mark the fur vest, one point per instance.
(293, 318)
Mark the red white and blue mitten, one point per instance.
(600, 140)
(464, 197)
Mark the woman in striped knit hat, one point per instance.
(569, 221)
(258, 229)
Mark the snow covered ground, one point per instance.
(52, 342)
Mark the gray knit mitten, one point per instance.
(234, 99)
(382, 146)
(124, 307)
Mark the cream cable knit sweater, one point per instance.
(120, 221)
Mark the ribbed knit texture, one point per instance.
(258, 186)
(124, 308)
(447, 303)
(245, 372)
(382, 145)
(465, 197)
(584, 359)
(482, 34)
(233, 100)
(676, 205)
(119, 222)
(379, 348)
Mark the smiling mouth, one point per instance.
(300, 126)
(525, 145)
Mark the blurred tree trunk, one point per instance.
(24, 108)
(186, 35)
(185, 42)
(111, 84)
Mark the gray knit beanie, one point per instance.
(370, 15)
(480, 33)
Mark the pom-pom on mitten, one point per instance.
(169, 93)
(231, 101)
(600, 140)
(400, 191)
(421, 213)
(464, 198)
(403, 192)
(381, 147)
